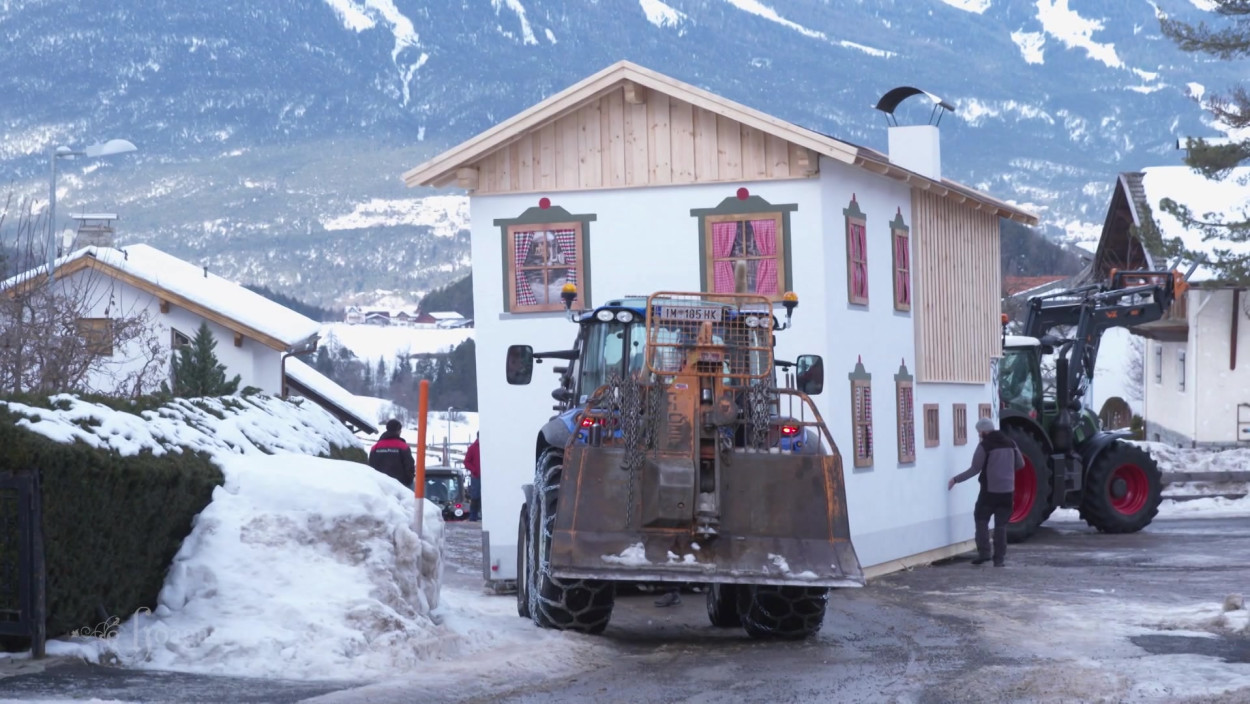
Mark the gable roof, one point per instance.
(188, 286)
(302, 380)
(441, 171)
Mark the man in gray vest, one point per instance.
(996, 460)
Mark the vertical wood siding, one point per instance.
(611, 143)
(957, 286)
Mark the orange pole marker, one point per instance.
(423, 410)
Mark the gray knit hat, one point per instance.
(985, 425)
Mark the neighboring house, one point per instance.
(255, 336)
(631, 182)
(377, 317)
(354, 316)
(446, 319)
(303, 380)
(1196, 386)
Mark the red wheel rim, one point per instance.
(1026, 492)
(1128, 489)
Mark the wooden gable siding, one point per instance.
(613, 143)
(957, 287)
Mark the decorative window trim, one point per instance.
(959, 414)
(856, 253)
(932, 425)
(985, 410)
(900, 248)
(861, 415)
(97, 335)
(556, 222)
(905, 409)
(751, 209)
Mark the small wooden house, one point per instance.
(631, 182)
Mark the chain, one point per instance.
(759, 413)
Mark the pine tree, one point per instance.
(1215, 160)
(197, 371)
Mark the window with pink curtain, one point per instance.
(754, 241)
(543, 261)
(857, 264)
(902, 272)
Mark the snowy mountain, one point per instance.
(271, 136)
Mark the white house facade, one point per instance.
(640, 183)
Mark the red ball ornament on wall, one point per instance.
(544, 202)
(743, 194)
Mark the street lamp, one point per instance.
(447, 440)
(109, 148)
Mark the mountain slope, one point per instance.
(272, 135)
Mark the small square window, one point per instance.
(861, 408)
(97, 335)
(755, 241)
(540, 260)
(985, 410)
(960, 415)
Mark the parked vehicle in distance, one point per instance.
(445, 486)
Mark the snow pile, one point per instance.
(633, 556)
(1229, 617)
(299, 568)
(1181, 459)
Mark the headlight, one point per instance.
(624, 316)
(604, 315)
(752, 321)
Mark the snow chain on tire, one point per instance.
(583, 605)
(769, 611)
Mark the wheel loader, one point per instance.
(1070, 461)
(676, 457)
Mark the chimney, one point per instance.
(94, 230)
(915, 147)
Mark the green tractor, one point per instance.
(1070, 461)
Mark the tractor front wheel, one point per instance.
(1123, 490)
(583, 605)
(769, 611)
(1031, 502)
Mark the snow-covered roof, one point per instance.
(320, 389)
(446, 315)
(191, 287)
(1210, 200)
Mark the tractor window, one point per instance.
(602, 357)
(1019, 386)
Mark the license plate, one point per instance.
(692, 313)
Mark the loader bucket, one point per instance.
(783, 521)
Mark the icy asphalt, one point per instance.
(1075, 616)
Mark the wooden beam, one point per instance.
(164, 306)
(466, 178)
(635, 94)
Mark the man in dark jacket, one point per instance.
(392, 456)
(473, 463)
(996, 460)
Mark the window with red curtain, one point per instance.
(541, 259)
(754, 240)
(856, 254)
(901, 241)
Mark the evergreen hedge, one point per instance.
(111, 524)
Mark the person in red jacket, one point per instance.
(392, 456)
(473, 463)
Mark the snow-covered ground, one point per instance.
(385, 342)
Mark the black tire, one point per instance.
(1032, 503)
(522, 563)
(583, 605)
(722, 605)
(1123, 490)
(791, 613)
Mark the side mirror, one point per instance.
(811, 374)
(519, 367)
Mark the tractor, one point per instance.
(675, 457)
(1070, 461)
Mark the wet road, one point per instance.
(1075, 616)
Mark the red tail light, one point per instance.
(587, 421)
(789, 430)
